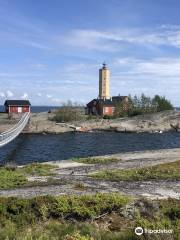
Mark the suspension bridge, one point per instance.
(12, 133)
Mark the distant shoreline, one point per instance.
(42, 122)
(36, 109)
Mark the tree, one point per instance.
(162, 103)
(147, 104)
(142, 105)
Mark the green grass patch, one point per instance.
(161, 171)
(90, 160)
(14, 177)
(38, 169)
(11, 179)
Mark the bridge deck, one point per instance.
(12, 133)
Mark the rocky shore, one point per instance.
(42, 123)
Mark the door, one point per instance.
(19, 109)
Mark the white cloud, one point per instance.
(88, 39)
(35, 44)
(164, 67)
(151, 76)
(2, 95)
(9, 93)
(48, 96)
(112, 40)
(24, 96)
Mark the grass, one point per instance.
(89, 217)
(38, 169)
(90, 160)
(161, 171)
(11, 177)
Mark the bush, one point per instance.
(88, 206)
(134, 112)
(67, 114)
(46, 207)
(58, 218)
(171, 209)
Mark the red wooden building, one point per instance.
(100, 107)
(17, 106)
(106, 107)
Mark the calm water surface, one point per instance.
(35, 147)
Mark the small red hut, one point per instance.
(17, 106)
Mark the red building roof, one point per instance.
(17, 103)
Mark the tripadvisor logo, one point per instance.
(139, 231)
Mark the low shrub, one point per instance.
(11, 178)
(160, 171)
(88, 206)
(67, 114)
(81, 218)
(45, 207)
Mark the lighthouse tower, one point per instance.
(104, 77)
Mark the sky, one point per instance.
(51, 50)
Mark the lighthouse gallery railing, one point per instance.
(12, 133)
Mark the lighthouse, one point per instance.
(105, 105)
(104, 77)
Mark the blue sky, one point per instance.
(51, 50)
